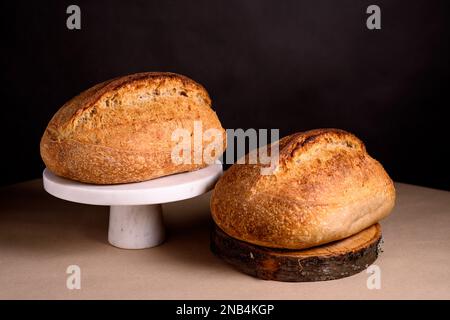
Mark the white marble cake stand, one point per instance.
(135, 215)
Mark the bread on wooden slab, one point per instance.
(326, 187)
(120, 131)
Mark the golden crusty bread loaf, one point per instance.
(325, 188)
(120, 131)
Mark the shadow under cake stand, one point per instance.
(135, 215)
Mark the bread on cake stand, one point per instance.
(118, 143)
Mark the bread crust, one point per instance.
(120, 131)
(325, 188)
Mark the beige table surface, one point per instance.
(40, 236)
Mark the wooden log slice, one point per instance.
(334, 260)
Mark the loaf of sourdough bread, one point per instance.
(120, 131)
(326, 187)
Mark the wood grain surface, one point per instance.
(335, 260)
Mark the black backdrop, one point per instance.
(292, 65)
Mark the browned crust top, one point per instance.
(297, 143)
(121, 130)
(71, 111)
(326, 187)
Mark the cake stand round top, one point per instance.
(157, 191)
